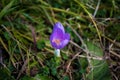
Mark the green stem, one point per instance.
(57, 52)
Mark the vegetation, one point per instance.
(92, 53)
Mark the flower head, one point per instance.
(59, 39)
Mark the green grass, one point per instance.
(25, 50)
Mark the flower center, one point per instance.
(57, 41)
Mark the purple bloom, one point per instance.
(59, 39)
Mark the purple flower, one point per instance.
(59, 39)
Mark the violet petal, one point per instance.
(66, 40)
(57, 34)
(58, 25)
(59, 39)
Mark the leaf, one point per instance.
(84, 64)
(100, 72)
(100, 67)
(94, 49)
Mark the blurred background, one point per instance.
(93, 52)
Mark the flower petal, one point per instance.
(59, 39)
(64, 43)
(57, 34)
(58, 25)
(54, 45)
(66, 40)
(67, 36)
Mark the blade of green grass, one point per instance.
(6, 9)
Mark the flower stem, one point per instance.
(57, 52)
